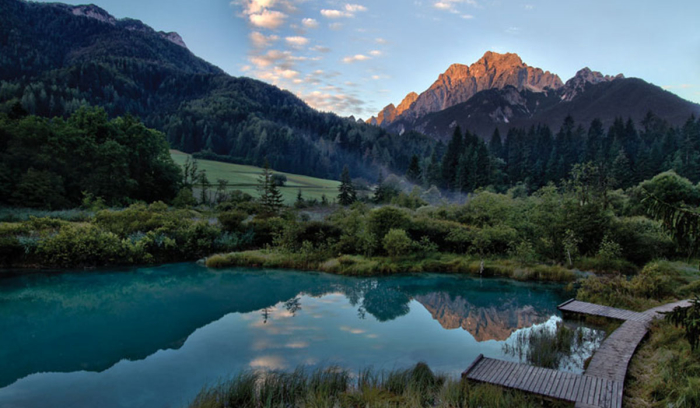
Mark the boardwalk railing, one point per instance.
(601, 385)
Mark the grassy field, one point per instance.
(245, 178)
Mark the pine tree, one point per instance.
(347, 193)
(414, 173)
(270, 195)
(621, 170)
(433, 173)
(450, 160)
(204, 182)
(496, 144)
(379, 191)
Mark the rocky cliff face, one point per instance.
(391, 112)
(578, 83)
(96, 13)
(460, 82)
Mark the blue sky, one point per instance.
(357, 56)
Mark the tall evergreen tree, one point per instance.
(496, 144)
(450, 161)
(347, 194)
(622, 170)
(414, 173)
(270, 195)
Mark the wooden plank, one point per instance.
(517, 372)
(532, 383)
(523, 378)
(555, 385)
(496, 371)
(475, 362)
(504, 371)
(540, 380)
(481, 370)
(543, 383)
(574, 388)
(493, 372)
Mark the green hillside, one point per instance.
(245, 178)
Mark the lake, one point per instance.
(152, 337)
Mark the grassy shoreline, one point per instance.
(357, 265)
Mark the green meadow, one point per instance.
(245, 178)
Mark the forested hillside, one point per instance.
(619, 156)
(53, 61)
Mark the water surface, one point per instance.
(152, 337)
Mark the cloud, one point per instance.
(354, 8)
(375, 53)
(270, 19)
(380, 41)
(451, 6)
(260, 40)
(320, 48)
(335, 26)
(256, 6)
(350, 10)
(309, 23)
(297, 41)
(355, 58)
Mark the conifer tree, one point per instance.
(450, 161)
(270, 195)
(496, 144)
(347, 194)
(414, 173)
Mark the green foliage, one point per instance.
(232, 220)
(270, 196)
(55, 164)
(87, 245)
(397, 243)
(383, 219)
(609, 249)
(347, 194)
(689, 319)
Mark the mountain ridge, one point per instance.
(507, 100)
(55, 58)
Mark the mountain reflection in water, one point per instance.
(179, 326)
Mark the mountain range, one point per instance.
(501, 91)
(55, 58)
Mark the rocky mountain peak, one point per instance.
(583, 77)
(92, 11)
(174, 38)
(460, 82)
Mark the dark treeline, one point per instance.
(53, 62)
(619, 157)
(58, 163)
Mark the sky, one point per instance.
(355, 57)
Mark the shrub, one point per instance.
(397, 243)
(81, 245)
(232, 220)
(386, 218)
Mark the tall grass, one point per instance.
(334, 387)
(23, 214)
(554, 347)
(357, 265)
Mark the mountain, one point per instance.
(461, 82)
(501, 91)
(55, 58)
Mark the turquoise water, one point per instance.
(152, 337)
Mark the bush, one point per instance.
(397, 243)
(232, 220)
(81, 245)
(383, 219)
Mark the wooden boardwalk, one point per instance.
(601, 385)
